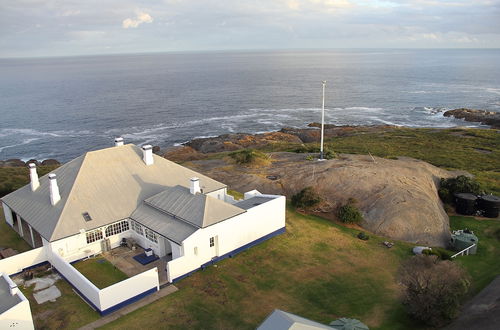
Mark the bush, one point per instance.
(310, 157)
(433, 288)
(247, 156)
(329, 154)
(363, 236)
(349, 213)
(307, 197)
(461, 184)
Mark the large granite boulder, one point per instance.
(490, 118)
(398, 198)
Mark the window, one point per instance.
(94, 235)
(212, 241)
(117, 228)
(137, 228)
(151, 235)
(87, 216)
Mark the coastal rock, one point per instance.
(398, 198)
(156, 150)
(50, 162)
(13, 163)
(232, 142)
(490, 118)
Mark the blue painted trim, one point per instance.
(128, 301)
(31, 267)
(233, 252)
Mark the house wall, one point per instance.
(8, 214)
(146, 243)
(15, 264)
(18, 317)
(219, 194)
(229, 235)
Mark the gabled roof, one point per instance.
(109, 184)
(199, 210)
(280, 320)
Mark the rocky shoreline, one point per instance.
(489, 118)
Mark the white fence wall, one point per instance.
(129, 288)
(17, 263)
(230, 235)
(87, 288)
(18, 317)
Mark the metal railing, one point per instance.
(464, 252)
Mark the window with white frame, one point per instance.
(212, 241)
(117, 228)
(93, 236)
(150, 235)
(137, 228)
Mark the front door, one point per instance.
(214, 245)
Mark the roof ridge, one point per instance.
(84, 156)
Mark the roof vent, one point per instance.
(35, 183)
(147, 154)
(54, 189)
(118, 142)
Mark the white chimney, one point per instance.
(147, 154)
(118, 142)
(54, 189)
(195, 186)
(33, 177)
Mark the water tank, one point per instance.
(465, 203)
(462, 239)
(489, 205)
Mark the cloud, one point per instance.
(141, 17)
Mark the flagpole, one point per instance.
(321, 154)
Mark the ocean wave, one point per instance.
(25, 141)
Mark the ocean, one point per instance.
(61, 107)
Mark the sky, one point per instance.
(33, 28)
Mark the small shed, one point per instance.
(462, 239)
(348, 324)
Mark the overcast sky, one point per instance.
(71, 27)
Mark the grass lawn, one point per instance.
(100, 272)
(317, 269)
(68, 312)
(485, 265)
(9, 238)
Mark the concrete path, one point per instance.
(130, 308)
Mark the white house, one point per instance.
(15, 312)
(94, 201)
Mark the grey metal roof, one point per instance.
(164, 224)
(199, 209)
(109, 184)
(280, 320)
(251, 202)
(7, 301)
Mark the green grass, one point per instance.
(317, 269)
(10, 238)
(485, 265)
(236, 194)
(100, 272)
(68, 312)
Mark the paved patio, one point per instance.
(122, 258)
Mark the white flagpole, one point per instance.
(322, 121)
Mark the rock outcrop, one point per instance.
(490, 118)
(397, 197)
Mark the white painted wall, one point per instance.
(219, 194)
(17, 263)
(230, 234)
(87, 288)
(8, 214)
(18, 317)
(126, 289)
(145, 243)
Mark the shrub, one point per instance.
(433, 288)
(307, 197)
(443, 253)
(460, 184)
(247, 156)
(363, 236)
(310, 157)
(349, 213)
(329, 154)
